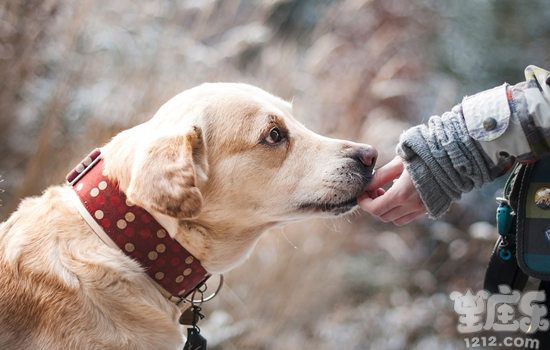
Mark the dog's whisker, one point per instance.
(289, 241)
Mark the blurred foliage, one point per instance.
(74, 73)
(487, 42)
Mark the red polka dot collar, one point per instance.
(132, 229)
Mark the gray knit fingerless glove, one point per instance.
(443, 160)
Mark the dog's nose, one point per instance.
(366, 155)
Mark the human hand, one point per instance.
(401, 203)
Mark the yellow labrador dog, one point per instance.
(216, 166)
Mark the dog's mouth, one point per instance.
(334, 208)
(343, 201)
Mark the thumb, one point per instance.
(386, 174)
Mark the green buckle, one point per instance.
(505, 216)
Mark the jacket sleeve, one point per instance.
(478, 140)
(512, 120)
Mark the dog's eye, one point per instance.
(275, 136)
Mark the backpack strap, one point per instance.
(503, 267)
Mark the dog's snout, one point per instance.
(366, 155)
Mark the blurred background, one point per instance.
(74, 73)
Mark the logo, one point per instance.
(506, 311)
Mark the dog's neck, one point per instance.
(220, 247)
(207, 237)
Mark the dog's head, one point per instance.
(232, 160)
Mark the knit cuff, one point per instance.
(422, 167)
(432, 195)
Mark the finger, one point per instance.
(379, 192)
(408, 218)
(386, 173)
(377, 206)
(365, 202)
(372, 194)
(396, 213)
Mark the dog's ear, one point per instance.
(165, 174)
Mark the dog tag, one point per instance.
(191, 316)
(187, 318)
(195, 341)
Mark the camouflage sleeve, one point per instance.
(512, 121)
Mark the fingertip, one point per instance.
(364, 200)
(377, 193)
(386, 173)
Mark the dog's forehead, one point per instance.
(266, 97)
(223, 106)
(244, 98)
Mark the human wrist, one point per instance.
(435, 200)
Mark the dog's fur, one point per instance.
(206, 168)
